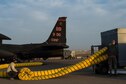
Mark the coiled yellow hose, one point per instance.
(27, 74)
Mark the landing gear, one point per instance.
(5, 60)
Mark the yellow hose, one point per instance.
(27, 74)
(4, 66)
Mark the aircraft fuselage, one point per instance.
(52, 47)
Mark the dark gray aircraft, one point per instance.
(53, 47)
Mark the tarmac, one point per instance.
(84, 76)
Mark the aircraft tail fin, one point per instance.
(58, 34)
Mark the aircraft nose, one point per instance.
(5, 54)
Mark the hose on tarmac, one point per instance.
(27, 74)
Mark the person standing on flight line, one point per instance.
(112, 59)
